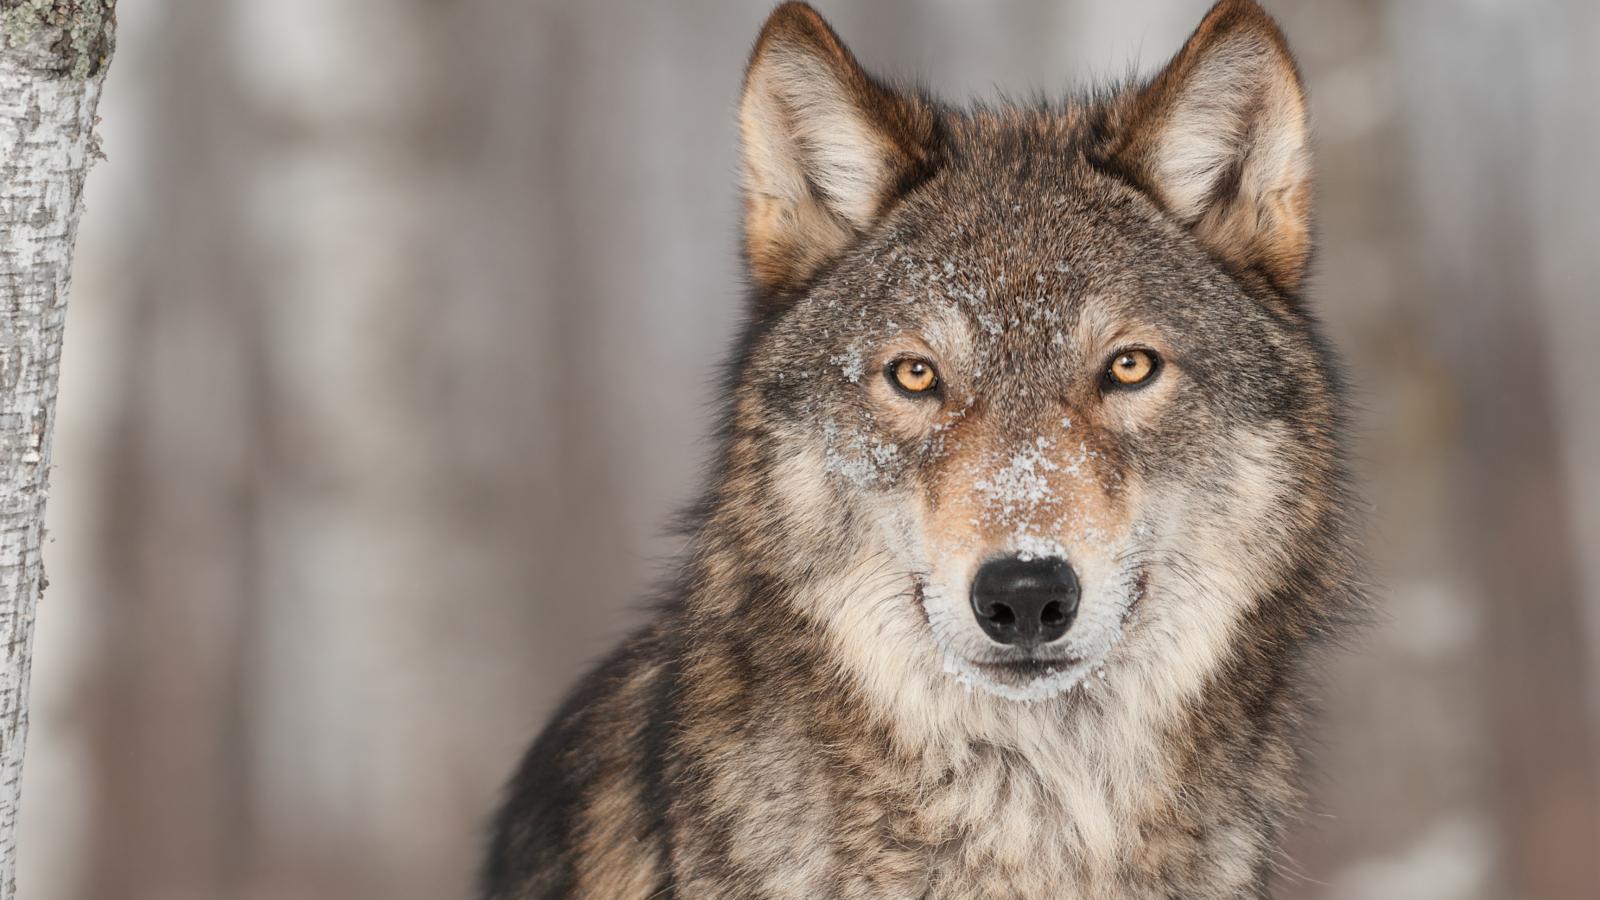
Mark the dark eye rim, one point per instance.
(1109, 382)
(934, 390)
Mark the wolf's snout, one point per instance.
(1025, 602)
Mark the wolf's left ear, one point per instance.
(826, 148)
(1221, 139)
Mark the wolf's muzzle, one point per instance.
(1025, 602)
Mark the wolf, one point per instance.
(1030, 513)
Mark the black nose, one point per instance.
(1025, 602)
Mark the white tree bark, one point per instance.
(52, 64)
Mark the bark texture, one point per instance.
(52, 65)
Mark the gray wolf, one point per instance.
(1030, 509)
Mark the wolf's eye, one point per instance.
(912, 375)
(1131, 368)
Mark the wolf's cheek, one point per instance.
(1215, 546)
(806, 513)
(800, 487)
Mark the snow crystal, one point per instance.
(1032, 546)
(1021, 484)
(968, 297)
(850, 364)
(858, 458)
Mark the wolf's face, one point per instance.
(1034, 394)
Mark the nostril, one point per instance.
(1002, 615)
(1053, 613)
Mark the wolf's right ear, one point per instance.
(1221, 139)
(826, 148)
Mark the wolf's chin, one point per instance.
(1011, 681)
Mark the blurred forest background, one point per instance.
(355, 472)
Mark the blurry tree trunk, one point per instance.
(52, 64)
(1470, 82)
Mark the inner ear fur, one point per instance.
(826, 148)
(1221, 138)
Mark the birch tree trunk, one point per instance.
(53, 56)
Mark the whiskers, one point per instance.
(1136, 559)
(882, 583)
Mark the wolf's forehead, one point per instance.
(1024, 257)
(955, 286)
(1055, 225)
(1011, 282)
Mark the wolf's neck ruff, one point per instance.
(1029, 511)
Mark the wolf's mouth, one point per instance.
(1020, 671)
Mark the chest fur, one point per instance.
(993, 826)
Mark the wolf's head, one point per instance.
(1030, 393)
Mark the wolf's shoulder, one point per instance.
(601, 751)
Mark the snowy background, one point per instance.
(355, 471)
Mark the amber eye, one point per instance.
(912, 375)
(1131, 368)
